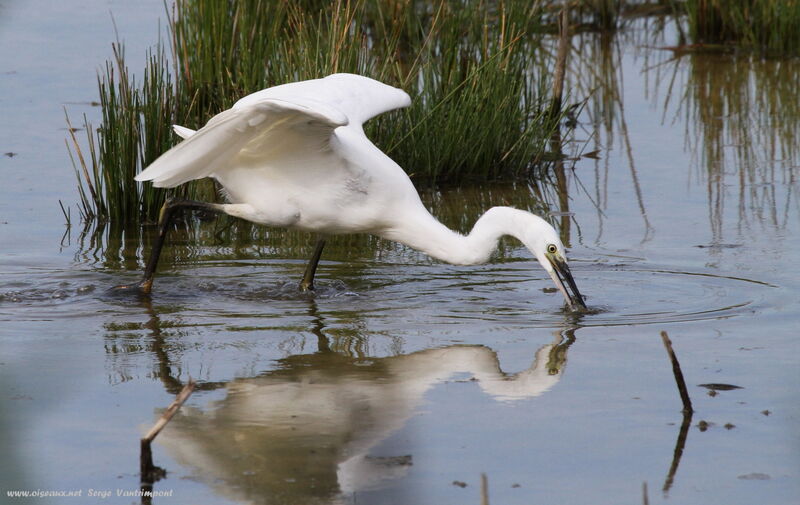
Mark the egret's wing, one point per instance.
(283, 126)
(359, 98)
(227, 134)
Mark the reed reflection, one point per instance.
(597, 73)
(740, 118)
(742, 127)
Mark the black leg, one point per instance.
(168, 212)
(307, 283)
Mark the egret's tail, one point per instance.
(157, 173)
(183, 132)
(200, 152)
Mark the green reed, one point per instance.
(474, 69)
(770, 25)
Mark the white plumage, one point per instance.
(296, 156)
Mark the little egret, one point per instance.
(296, 156)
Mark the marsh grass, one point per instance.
(135, 129)
(770, 25)
(478, 80)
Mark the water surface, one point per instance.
(402, 380)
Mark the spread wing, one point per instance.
(359, 98)
(227, 133)
(297, 117)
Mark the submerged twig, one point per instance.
(484, 489)
(687, 413)
(676, 370)
(150, 472)
(676, 455)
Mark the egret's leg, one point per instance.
(168, 212)
(308, 278)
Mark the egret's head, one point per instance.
(543, 241)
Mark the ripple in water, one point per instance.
(628, 296)
(45, 293)
(499, 293)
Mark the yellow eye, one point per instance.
(551, 248)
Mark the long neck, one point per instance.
(423, 232)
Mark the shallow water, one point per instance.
(402, 380)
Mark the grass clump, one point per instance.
(474, 69)
(135, 129)
(771, 25)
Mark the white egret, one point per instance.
(296, 156)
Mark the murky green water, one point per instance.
(402, 380)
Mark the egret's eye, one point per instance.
(551, 248)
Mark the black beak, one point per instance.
(565, 283)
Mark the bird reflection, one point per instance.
(302, 432)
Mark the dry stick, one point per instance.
(146, 467)
(676, 370)
(484, 489)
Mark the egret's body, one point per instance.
(296, 156)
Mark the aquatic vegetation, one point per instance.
(476, 74)
(772, 25)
